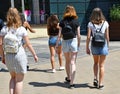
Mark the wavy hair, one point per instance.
(70, 12)
(13, 18)
(52, 23)
(97, 16)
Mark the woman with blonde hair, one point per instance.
(98, 22)
(16, 62)
(52, 30)
(70, 33)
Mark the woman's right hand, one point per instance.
(36, 58)
(3, 60)
(88, 51)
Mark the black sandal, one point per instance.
(67, 80)
(95, 82)
(71, 86)
(101, 87)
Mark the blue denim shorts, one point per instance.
(70, 45)
(99, 50)
(52, 41)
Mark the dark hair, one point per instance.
(97, 16)
(52, 23)
(1, 24)
(22, 16)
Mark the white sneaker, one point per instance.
(61, 68)
(53, 70)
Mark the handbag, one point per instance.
(98, 39)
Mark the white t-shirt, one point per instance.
(21, 32)
(105, 26)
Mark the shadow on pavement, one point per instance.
(43, 70)
(60, 84)
(3, 70)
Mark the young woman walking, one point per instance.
(52, 30)
(15, 62)
(70, 33)
(97, 22)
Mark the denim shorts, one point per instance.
(52, 41)
(99, 50)
(70, 45)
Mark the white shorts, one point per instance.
(70, 45)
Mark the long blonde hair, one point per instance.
(13, 18)
(97, 16)
(70, 12)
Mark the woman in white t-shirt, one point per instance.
(16, 62)
(97, 19)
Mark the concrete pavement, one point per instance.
(39, 80)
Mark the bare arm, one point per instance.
(59, 37)
(78, 36)
(107, 35)
(30, 48)
(27, 25)
(88, 40)
(1, 49)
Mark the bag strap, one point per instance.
(101, 26)
(70, 22)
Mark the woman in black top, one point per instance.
(53, 29)
(70, 32)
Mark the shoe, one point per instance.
(53, 70)
(27, 67)
(61, 68)
(71, 86)
(67, 80)
(95, 82)
(101, 87)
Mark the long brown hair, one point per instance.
(13, 18)
(52, 23)
(97, 16)
(70, 12)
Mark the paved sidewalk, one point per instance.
(39, 80)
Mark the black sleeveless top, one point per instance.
(53, 32)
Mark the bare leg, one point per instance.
(60, 55)
(52, 56)
(73, 67)
(95, 66)
(67, 64)
(12, 83)
(19, 83)
(101, 68)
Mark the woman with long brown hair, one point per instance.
(52, 30)
(98, 22)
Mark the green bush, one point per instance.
(115, 13)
